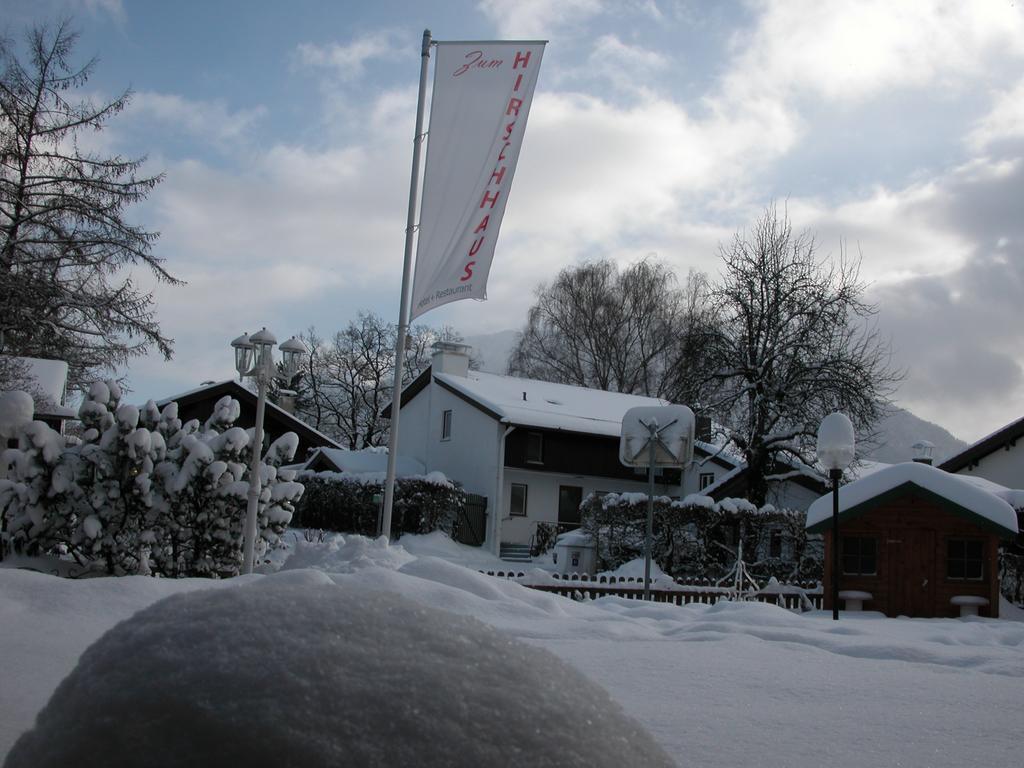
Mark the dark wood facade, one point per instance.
(576, 453)
(199, 404)
(572, 453)
(912, 530)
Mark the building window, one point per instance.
(860, 556)
(706, 479)
(775, 544)
(965, 559)
(446, 425)
(517, 504)
(534, 447)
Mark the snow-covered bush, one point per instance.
(114, 473)
(141, 491)
(39, 497)
(544, 538)
(338, 501)
(334, 501)
(697, 536)
(428, 503)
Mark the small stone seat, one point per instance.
(968, 604)
(855, 598)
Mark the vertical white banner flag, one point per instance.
(482, 95)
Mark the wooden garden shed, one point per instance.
(916, 541)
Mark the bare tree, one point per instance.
(65, 243)
(347, 379)
(623, 331)
(793, 340)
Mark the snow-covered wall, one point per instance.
(1004, 466)
(790, 495)
(469, 456)
(542, 497)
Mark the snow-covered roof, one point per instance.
(986, 503)
(1004, 437)
(864, 467)
(547, 405)
(577, 538)
(368, 460)
(50, 378)
(299, 423)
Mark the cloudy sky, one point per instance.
(659, 127)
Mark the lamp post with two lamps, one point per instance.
(254, 357)
(835, 452)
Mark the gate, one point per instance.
(471, 527)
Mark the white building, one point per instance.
(534, 449)
(997, 457)
(46, 381)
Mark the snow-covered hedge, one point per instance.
(142, 492)
(338, 501)
(696, 536)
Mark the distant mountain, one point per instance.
(897, 433)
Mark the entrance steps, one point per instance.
(515, 553)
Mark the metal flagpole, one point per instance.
(653, 429)
(403, 312)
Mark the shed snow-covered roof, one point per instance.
(366, 460)
(542, 404)
(986, 503)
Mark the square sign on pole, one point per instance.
(656, 436)
(673, 433)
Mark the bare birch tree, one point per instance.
(623, 331)
(66, 246)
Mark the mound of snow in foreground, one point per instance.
(295, 669)
(734, 684)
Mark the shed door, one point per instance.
(911, 566)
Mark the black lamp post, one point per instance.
(835, 452)
(835, 475)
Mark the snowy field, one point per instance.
(726, 685)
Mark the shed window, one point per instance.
(706, 479)
(535, 447)
(860, 555)
(517, 504)
(965, 559)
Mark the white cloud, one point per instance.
(1004, 121)
(627, 67)
(348, 62)
(851, 50)
(538, 19)
(114, 8)
(211, 121)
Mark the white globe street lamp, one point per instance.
(254, 357)
(835, 452)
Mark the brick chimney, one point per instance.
(450, 357)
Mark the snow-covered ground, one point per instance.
(725, 685)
